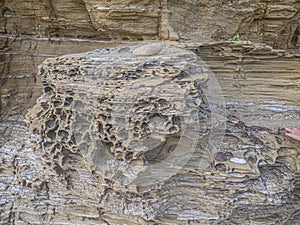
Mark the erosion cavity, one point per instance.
(137, 104)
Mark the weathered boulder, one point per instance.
(142, 104)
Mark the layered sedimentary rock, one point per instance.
(47, 19)
(19, 62)
(275, 23)
(26, 26)
(132, 19)
(129, 20)
(78, 162)
(252, 177)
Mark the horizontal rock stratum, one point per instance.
(275, 23)
(53, 171)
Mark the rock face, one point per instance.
(34, 30)
(128, 20)
(158, 133)
(275, 23)
(65, 175)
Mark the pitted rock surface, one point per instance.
(131, 105)
(254, 177)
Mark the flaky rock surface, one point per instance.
(275, 23)
(253, 177)
(132, 102)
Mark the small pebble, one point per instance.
(238, 160)
(147, 50)
(223, 156)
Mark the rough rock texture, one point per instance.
(253, 178)
(129, 20)
(47, 18)
(33, 30)
(132, 19)
(20, 57)
(131, 102)
(275, 23)
(50, 173)
(252, 78)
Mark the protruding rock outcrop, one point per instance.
(139, 103)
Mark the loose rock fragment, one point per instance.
(147, 50)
